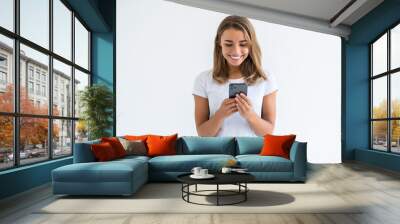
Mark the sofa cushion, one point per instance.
(134, 147)
(249, 145)
(185, 163)
(194, 145)
(83, 152)
(257, 163)
(111, 171)
(277, 145)
(103, 151)
(116, 145)
(161, 145)
(133, 158)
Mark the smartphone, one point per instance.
(236, 88)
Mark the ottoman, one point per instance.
(118, 177)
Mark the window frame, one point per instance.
(388, 74)
(15, 72)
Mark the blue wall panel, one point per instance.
(356, 89)
(102, 59)
(103, 63)
(24, 178)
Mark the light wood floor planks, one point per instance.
(378, 189)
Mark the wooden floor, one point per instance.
(377, 188)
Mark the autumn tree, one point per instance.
(380, 127)
(33, 131)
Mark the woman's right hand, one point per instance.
(228, 107)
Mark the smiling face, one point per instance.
(235, 48)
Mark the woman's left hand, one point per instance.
(244, 106)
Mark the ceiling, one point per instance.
(326, 16)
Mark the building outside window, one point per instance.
(3, 61)
(38, 89)
(37, 75)
(3, 72)
(30, 87)
(43, 90)
(30, 72)
(43, 78)
(3, 78)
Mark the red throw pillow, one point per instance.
(103, 151)
(161, 145)
(116, 145)
(277, 145)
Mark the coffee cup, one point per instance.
(196, 170)
(203, 172)
(226, 170)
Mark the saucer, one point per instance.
(208, 176)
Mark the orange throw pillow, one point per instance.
(142, 138)
(103, 151)
(135, 138)
(116, 145)
(277, 145)
(161, 145)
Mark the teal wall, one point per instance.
(99, 16)
(103, 52)
(24, 178)
(355, 128)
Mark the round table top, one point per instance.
(220, 178)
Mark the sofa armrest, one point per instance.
(298, 155)
(83, 152)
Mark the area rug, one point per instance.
(167, 198)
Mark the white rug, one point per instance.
(166, 198)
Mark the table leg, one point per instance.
(188, 189)
(217, 194)
(196, 188)
(245, 193)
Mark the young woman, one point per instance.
(237, 59)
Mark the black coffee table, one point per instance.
(239, 179)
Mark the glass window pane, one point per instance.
(81, 131)
(395, 136)
(34, 79)
(62, 29)
(35, 21)
(379, 55)
(379, 135)
(62, 137)
(395, 94)
(6, 74)
(379, 87)
(6, 142)
(62, 89)
(81, 45)
(395, 47)
(7, 14)
(81, 81)
(33, 140)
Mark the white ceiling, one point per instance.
(315, 15)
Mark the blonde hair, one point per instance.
(251, 66)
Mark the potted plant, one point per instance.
(96, 102)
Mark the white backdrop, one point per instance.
(162, 46)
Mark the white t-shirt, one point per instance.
(234, 125)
